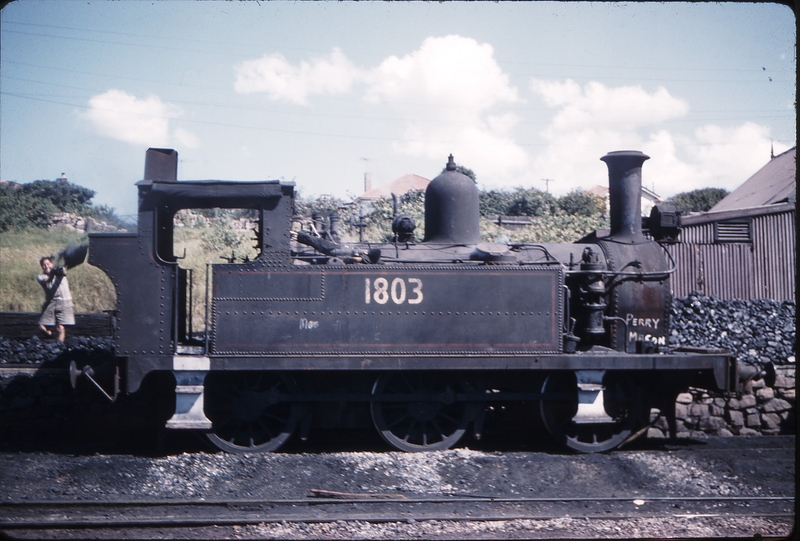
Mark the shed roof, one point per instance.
(776, 182)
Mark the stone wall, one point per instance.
(760, 410)
(756, 332)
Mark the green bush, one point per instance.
(219, 237)
(64, 195)
(520, 202)
(699, 200)
(21, 210)
(581, 203)
(33, 204)
(555, 228)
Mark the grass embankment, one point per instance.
(20, 251)
(92, 290)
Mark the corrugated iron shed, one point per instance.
(776, 182)
(738, 254)
(746, 246)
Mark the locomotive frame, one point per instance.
(424, 335)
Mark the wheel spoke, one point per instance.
(400, 420)
(242, 418)
(421, 424)
(274, 416)
(437, 428)
(409, 431)
(622, 404)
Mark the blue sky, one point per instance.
(322, 93)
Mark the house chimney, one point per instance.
(367, 182)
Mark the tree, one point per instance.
(699, 200)
(532, 202)
(20, 210)
(306, 206)
(520, 202)
(581, 203)
(464, 171)
(494, 203)
(33, 204)
(65, 196)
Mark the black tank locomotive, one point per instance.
(418, 338)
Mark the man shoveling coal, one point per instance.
(57, 309)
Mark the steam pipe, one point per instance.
(746, 373)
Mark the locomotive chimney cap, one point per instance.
(451, 165)
(626, 153)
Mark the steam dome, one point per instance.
(452, 209)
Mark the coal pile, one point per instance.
(756, 331)
(55, 354)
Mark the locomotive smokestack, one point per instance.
(161, 164)
(625, 194)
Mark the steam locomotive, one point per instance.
(419, 338)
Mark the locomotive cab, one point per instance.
(156, 320)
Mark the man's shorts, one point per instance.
(58, 312)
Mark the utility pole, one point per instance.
(547, 184)
(367, 176)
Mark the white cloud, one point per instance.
(125, 117)
(447, 91)
(600, 106)
(185, 139)
(592, 120)
(451, 96)
(276, 76)
(449, 71)
(713, 156)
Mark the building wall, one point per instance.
(775, 252)
(765, 267)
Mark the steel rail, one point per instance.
(72, 523)
(387, 498)
(186, 523)
(194, 513)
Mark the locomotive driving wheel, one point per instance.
(247, 411)
(623, 409)
(420, 411)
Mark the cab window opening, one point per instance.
(210, 235)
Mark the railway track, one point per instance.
(719, 487)
(375, 508)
